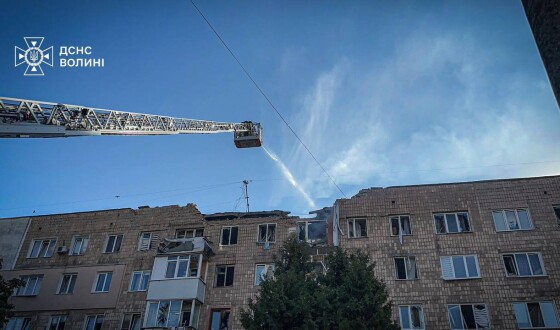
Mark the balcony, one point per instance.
(177, 289)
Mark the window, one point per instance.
(263, 271)
(94, 322)
(18, 323)
(510, 220)
(447, 223)
(224, 276)
(557, 212)
(139, 281)
(67, 284)
(267, 233)
(131, 322)
(357, 228)
(405, 268)
(313, 232)
(400, 224)
(165, 313)
(523, 264)
(459, 267)
(79, 245)
(113, 243)
(57, 322)
(220, 319)
(229, 236)
(42, 248)
(412, 317)
(535, 315)
(31, 287)
(147, 241)
(468, 316)
(189, 233)
(103, 282)
(177, 267)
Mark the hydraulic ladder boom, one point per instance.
(20, 118)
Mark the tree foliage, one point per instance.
(347, 296)
(6, 290)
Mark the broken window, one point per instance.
(189, 233)
(146, 241)
(523, 264)
(229, 235)
(452, 222)
(262, 272)
(164, 313)
(459, 267)
(511, 220)
(42, 248)
(357, 228)
(267, 233)
(220, 319)
(405, 268)
(314, 232)
(400, 223)
(536, 315)
(412, 317)
(468, 316)
(224, 275)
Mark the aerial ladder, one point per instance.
(20, 118)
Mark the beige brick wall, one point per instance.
(479, 199)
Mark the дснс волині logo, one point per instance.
(34, 56)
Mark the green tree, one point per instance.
(285, 300)
(6, 290)
(348, 296)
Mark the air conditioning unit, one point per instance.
(62, 250)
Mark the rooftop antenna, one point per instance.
(246, 193)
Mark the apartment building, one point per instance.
(141, 268)
(474, 255)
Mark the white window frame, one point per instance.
(457, 222)
(95, 317)
(268, 225)
(177, 260)
(97, 277)
(422, 318)
(352, 222)
(406, 264)
(83, 245)
(539, 255)
(23, 290)
(58, 318)
(73, 277)
(552, 303)
(143, 274)
(229, 238)
(400, 217)
(268, 269)
(46, 254)
(142, 245)
(158, 302)
(186, 230)
(466, 267)
(106, 246)
(516, 211)
(463, 318)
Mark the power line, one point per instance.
(266, 97)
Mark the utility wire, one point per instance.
(266, 97)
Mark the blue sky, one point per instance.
(383, 93)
